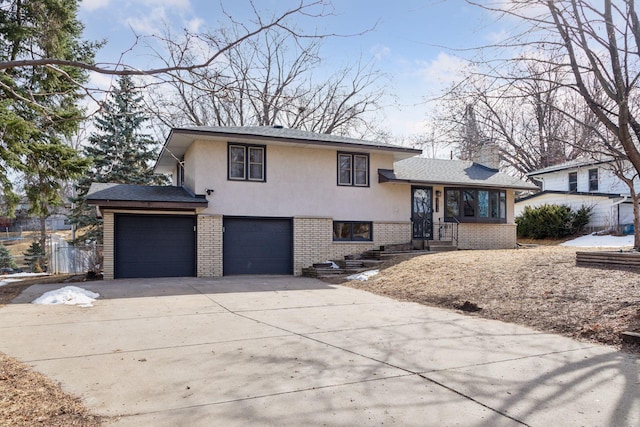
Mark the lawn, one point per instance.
(539, 287)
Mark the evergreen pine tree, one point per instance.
(6, 259)
(39, 104)
(120, 152)
(34, 256)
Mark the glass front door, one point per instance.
(422, 212)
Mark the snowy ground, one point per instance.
(17, 277)
(364, 276)
(601, 241)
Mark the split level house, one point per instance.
(270, 200)
(584, 183)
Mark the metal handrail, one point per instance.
(448, 230)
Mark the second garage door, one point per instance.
(257, 246)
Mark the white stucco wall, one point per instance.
(301, 181)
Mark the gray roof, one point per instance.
(180, 138)
(574, 164)
(452, 172)
(571, 193)
(146, 195)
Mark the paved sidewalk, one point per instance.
(285, 351)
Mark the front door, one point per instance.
(422, 212)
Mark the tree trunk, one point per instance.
(636, 220)
(43, 241)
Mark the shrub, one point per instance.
(6, 259)
(552, 221)
(581, 218)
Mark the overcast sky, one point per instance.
(415, 42)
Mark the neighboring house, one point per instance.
(587, 183)
(22, 221)
(268, 200)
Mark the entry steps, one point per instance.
(353, 264)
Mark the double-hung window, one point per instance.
(353, 169)
(247, 162)
(475, 205)
(573, 181)
(593, 179)
(352, 231)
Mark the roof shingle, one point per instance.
(452, 172)
(99, 193)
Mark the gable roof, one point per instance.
(571, 193)
(574, 164)
(420, 170)
(143, 196)
(180, 139)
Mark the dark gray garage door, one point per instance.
(257, 246)
(155, 246)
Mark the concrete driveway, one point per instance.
(286, 351)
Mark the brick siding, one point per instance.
(209, 246)
(487, 236)
(108, 238)
(313, 240)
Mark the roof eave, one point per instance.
(400, 152)
(383, 179)
(137, 204)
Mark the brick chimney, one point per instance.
(487, 155)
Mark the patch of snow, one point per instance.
(16, 277)
(333, 264)
(607, 241)
(364, 276)
(69, 295)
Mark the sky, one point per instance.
(417, 44)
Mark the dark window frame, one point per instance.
(180, 173)
(351, 237)
(573, 183)
(247, 164)
(494, 195)
(593, 180)
(353, 172)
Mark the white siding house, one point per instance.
(577, 184)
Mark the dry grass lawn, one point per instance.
(539, 287)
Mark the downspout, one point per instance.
(624, 199)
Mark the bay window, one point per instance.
(475, 205)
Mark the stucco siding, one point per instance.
(300, 181)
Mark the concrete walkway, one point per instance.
(284, 351)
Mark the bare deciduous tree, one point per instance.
(274, 78)
(598, 45)
(535, 120)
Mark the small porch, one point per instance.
(440, 237)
